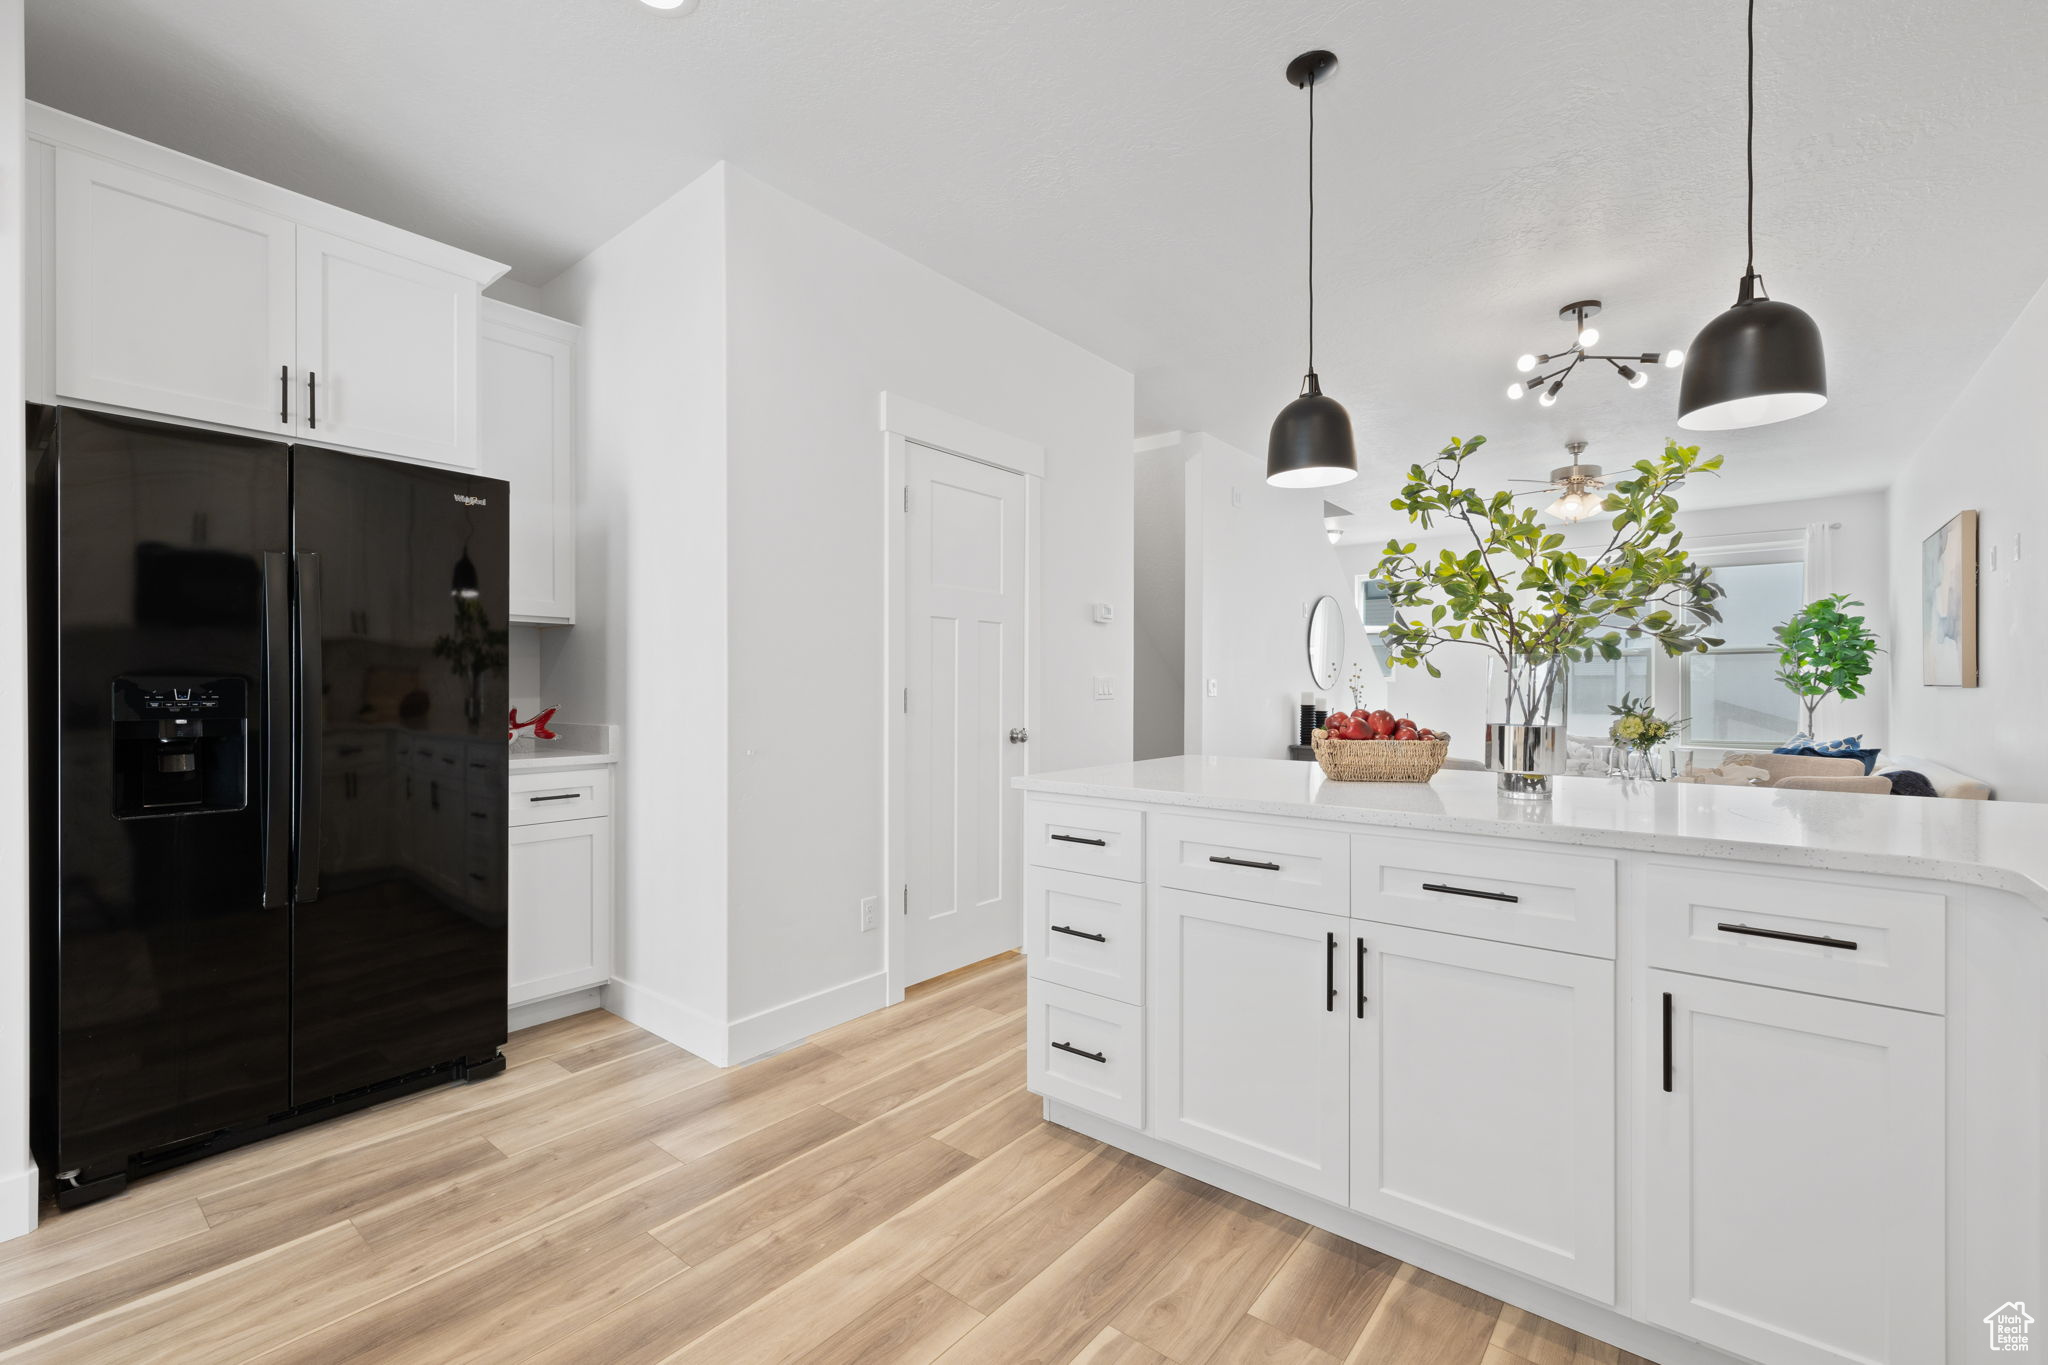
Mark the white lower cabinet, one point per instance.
(559, 894)
(1793, 1174)
(1249, 1030)
(1482, 1100)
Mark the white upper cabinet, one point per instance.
(387, 347)
(173, 300)
(528, 368)
(164, 286)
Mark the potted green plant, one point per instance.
(1536, 606)
(1823, 652)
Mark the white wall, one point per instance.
(17, 1167)
(822, 321)
(1986, 453)
(1159, 598)
(1257, 560)
(1856, 562)
(648, 652)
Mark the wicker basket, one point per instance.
(1380, 760)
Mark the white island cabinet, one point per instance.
(1712, 1074)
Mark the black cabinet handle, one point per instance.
(1243, 862)
(1667, 1042)
(1091, 1056)
(284, 394)
(1361, 978)
(564, 796)
(1817, 940)
(1077, 839)
(1080, 933)
(1467, 891)
(312, 400)
(1330, 973)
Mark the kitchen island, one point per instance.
(1709, 1073)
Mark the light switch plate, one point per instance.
(1105, 687)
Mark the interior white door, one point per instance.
(1821, 1120)
(169, 299)
(966, 667)
(388, 351)
(1249, 1030)
(1482, 1100)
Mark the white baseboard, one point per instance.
(20, 1194)
(778, 1027)
(555, 1007)
(669, 1018)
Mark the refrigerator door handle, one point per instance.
(307, 834)
(277, 729)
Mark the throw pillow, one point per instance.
(1867, 757)
(1906, 782)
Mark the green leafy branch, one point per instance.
(1823, 651)
(1519, 594)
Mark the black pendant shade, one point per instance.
(465, 581)
(1311, 442)
(1310, 446)
(1759, 362)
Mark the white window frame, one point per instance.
(1668, 678)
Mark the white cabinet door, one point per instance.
(387, 352)
(1793, 1188)
(559, 900)
(1249, 1030)
(170, 299)
(1482, 1100)
(528, 367)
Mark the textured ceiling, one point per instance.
(1130, 175)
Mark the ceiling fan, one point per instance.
(1577, 485)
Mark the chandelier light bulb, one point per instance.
(1526, 363)
(1673, 359)
(1636, 378)
(1515, 390)
(1589, 336)
(1550, 394)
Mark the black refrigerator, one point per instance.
(268, 825)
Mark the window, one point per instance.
(1376, 613)
(1730, 696)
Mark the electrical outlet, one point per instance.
(1212, 687)
(1105, 687)
(870, 906)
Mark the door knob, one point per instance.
(1020, 735)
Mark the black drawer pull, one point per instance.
(1667, 1042)
(564, 796)
(1361, 978)
(1077, 839)
(1817, 940)
(1078, 1052)
(1080, 933)
(1330, 973)
(1467, 891)
(1243, 862)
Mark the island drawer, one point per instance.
(1305, 868)
(1563, 901)
(1086, 1051)
(562, 794)
(1086, 932)
(1108, 841)
(1854, 941)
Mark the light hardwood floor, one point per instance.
(885, 1194)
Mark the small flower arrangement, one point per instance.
(1638, 727)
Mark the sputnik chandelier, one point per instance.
(1584, 338)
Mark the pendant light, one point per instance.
(465, 585)
(1311, 442)
(1760, 361)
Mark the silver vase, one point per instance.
(1525, 735)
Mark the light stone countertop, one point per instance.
(578, 746)
(1998, 844)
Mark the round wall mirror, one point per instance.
(1325, 643)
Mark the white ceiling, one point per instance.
(1130, 175)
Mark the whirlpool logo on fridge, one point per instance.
(467, 501)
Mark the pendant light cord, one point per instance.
(1749, 142)
(1313, 76)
